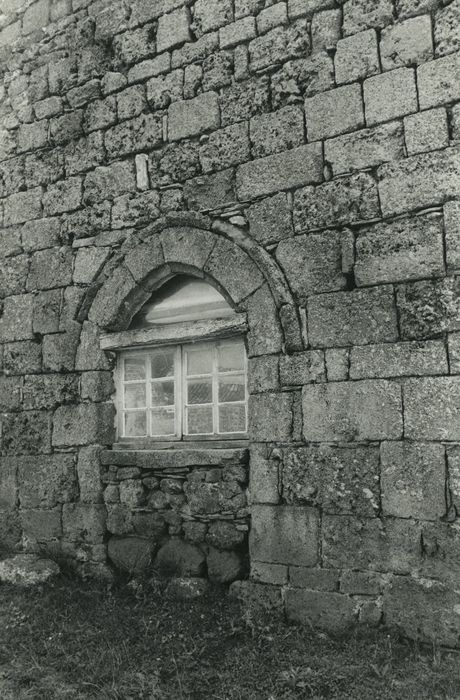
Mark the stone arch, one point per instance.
(223, 254)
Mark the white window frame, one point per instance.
(180, 384)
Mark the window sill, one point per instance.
(169, 457)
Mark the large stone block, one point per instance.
(83, 424)
(432, 408)
(313, 263)
(365, 148)
(401, 250)
(284, 535)
(271, 416)
(243, 100)
(213, 498)
(131, 554)
(341, 201)
(334, 112)
(306, 76)
(406, 43)
(426, 131)
(338, 479)
(270, 219)
(175, 163)
(324, 610)
(132, 46)
(419, 181)
(82, 522)
(13, 274)
(446, 29)
(277, 131)
(352, 411)
(26, 433)
(225, 147)
(265, 334)
(22, 206)
(109, 182)
(49, 390)
(390, 545)
(356, 57)
(40, 526)
(100, 114)
(193, 117)
(361, 14)
(178, 558)
(283, 171)
(428, 307)
(139, 134)
(340, 318)
(109, 307)
(50, 268)
(437, 82)
(390, 95)
(279, 45)
(162, 90)
(423, 609)
(234, 269)
(16, 320)
(398, 359)
(46, 481)
(173, 29)
(8, 483)
(264, 476)
(22, 357)
(209, 15)
(413, 480)
(441, 547)
(240, 31)
(302, 368)
(224, 567)
(89, 473)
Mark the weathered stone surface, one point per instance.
(326, 29)
(428, 307)
(270, 219)
(27, 570)
(89, 474)
(361, 14)
(22, 206)
(178, 558)
(437, 83)
(313, 263)
(224, 567)
(279, 45)
(338, 479)
(132, 46)
(356, 57)
(269, 573)
(224, 535)
(340, 318)
(265, 335)
(224, 148)
(432, 408)
(334, 112)
(47, 391)
(277, 131)
(329, 611)
(402, 250)
(193, 117)
(373, 544)
(100, 114)
(398, 359)
(271, 17)
(284, 535)
(83, 424)
(214, 497)
(419, 181)
(130, 554)
(46, 481)
(352, 411)
(365, 148)
(454, 353)
(425, 609)
(234, 269)
(341, 201)
(211, 192)
(16, 320)
(50, 268)
(406, 43)
(427, 131)
(217, 70)
(165, 89)
(306, 76)
(139, 134)
(271, 416)
(83, 522)
(13, 273)
(173, 29)
(237, 32)
(243, 100)
(337, 364)
(302, 368)
(452, 231)
(294, 168)
(26, 433)
(264, 476)
(413, 480)
(361, 583)
(390, 95)
(108, 182)
(40, 527)
(446, 29)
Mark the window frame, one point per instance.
(180, 405)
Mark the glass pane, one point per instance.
(134, 368)
(163, 363)
(135, 424)
(134, 395)
(200, 361)
(232, 419)
(199, 391)
(231, 388)
(162, 393)
(199, 420)
(230, 357)
(163, 421)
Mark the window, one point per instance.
(188, 390)
(181, 369)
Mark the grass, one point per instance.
(78, 639)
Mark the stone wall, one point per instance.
(303, 155)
